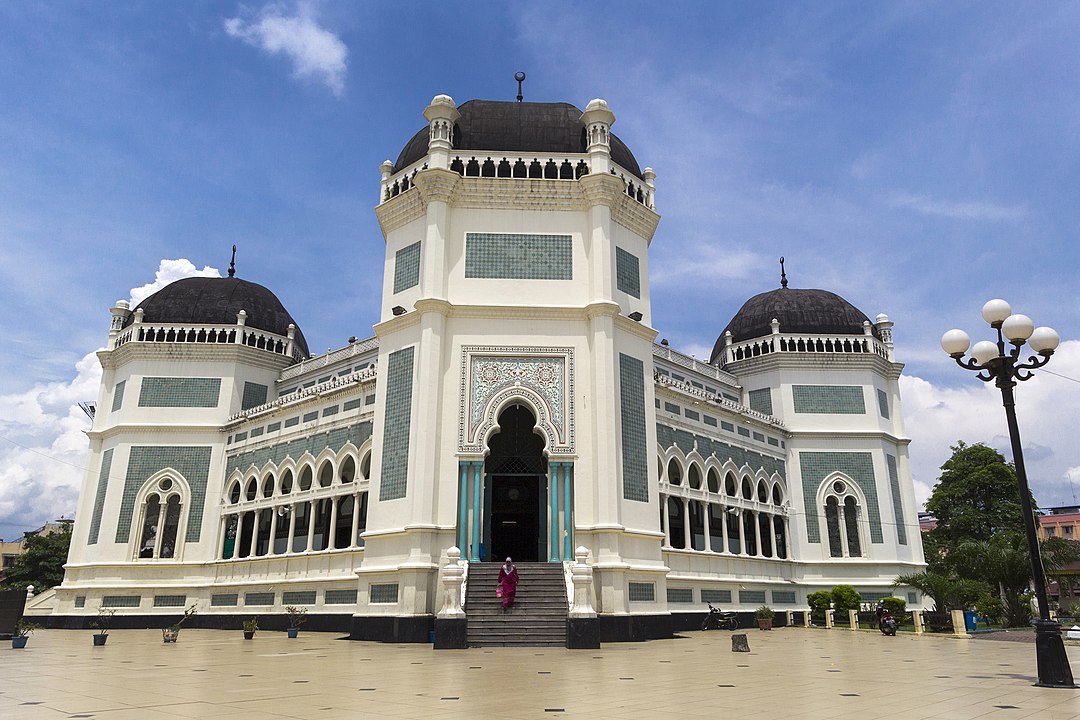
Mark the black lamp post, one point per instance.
(1001, 364)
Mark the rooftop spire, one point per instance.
(783, 275)
(520, 77)
(232, 263)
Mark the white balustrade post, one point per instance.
(582, 576)
(452, 577)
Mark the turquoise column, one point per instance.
(463, 510)
(474, 548)
(568, 522)
(553, 505)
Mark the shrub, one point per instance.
(990, 607)
(764, 613)
(819, 601)
(896, 606)
(844, 598)
(297, 616)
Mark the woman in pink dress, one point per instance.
(508, 580)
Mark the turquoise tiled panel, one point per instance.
(515, 256)
(897, 505)
(259, 598)
(340, 597)
(118, 395)
(384, 593)
(398, 421)
(170, 600)
(254, 395)
(783, 597)
(761, 400)
(859, 466)
(298, 597)
(179, 392)
(715, 596)
(642, 592)
(314, 443)
(883, 403)
(407, 267)
(627, 273)
(680, 595)
(752, 597)
(99, 499)
(635, 444)
(192, 462)
(121, 601)
(829, 399)
(224, 600)
(667, 436)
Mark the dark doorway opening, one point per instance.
(516, 478)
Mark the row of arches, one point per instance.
(829, 345)
(313, 505)
(715, 527)
(698, 473)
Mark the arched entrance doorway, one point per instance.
(515, 489)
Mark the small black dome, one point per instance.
(216, 301)
(819, 312)
(517, 127)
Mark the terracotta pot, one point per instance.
(764, 623)
(170, 636)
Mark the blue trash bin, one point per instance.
(970, 622)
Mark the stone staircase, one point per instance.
(538, 616)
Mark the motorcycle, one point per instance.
(718, 619)
(886, 622)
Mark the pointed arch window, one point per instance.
(161, 515)
(843, 521)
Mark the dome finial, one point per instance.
(783, 275)
(232, 263)
(520, 77)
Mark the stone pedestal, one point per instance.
(739, 643)
(582, 633)
(451, 633)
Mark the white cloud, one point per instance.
(315, 52)
(957, 210)
(169, 271)
(43, 447)
(1048, 412)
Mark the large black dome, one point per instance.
(517, 127)
(818, 312)
(216, 301)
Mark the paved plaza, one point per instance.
(790, 673)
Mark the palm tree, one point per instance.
(946, 592)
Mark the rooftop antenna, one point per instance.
(783, 275)
(232, 263)
(520, 77)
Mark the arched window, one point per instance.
(730, 485)
(286, 482)
(777, 497)
(694, 476)
(252, 489)
(305, 478)
(713, 481)
(842, 520)
(234, 492)
(674, 472)
(161, 513)
(365, 467)
(326, 474)
(747, 490)
(268, 486)
(348, 470)
(762, 492)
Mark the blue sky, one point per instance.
(916, 158)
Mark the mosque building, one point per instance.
(513, 401)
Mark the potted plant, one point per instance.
(764, 615)
(102, 623)
(171, 633)
(250, 626)
(297, 617)
(23, 631)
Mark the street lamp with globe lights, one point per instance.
(1003, 365)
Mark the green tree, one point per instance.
(948, 593)
(844, 598)
(42, 565)
(976, 497)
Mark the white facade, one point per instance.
(511, 297)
